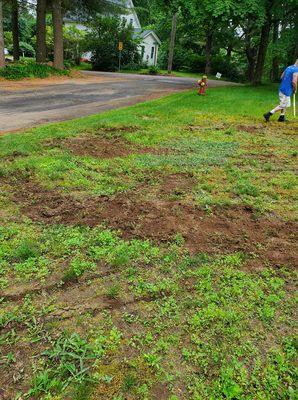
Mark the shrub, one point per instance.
(25, 48)
(227, 67)
(29, 70)
(153, 70)
(103, 38)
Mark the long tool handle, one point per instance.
(294, 104)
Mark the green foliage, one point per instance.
(26, 49)
(29, 70)
(74, 43)
(188, 60)
(153, 70)
(103, 39)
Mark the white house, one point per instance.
(149, 40)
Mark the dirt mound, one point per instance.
(226, 230)
(159, 219)
(250, 128)
(98, 147)
(176, 184)
(107, 145)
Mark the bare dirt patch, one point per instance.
(250, 128)
(176, 184)
(109, 143)
(225, 230)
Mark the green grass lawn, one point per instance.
(149, 253)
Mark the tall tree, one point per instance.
(208, 47)
(41, 31)
(2, 56)
(211, 16)
(58, 34)
(264, 41)
(15, 29)
(248, 43)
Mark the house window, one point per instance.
(131, 21)
(152, 51)
(143, 51)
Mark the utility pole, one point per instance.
(172, 43)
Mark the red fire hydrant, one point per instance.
(202, 85)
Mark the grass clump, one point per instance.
(71, 360)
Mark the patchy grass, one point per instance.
(149, 253)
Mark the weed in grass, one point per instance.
(113, 291)
(26, 249)
(130, 381)
(70, 361)
(8, 359)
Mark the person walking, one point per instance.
(287, 87)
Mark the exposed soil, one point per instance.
(250, 128)
(160, 391)
(16, 377)
(176, 184)
(103, 146)
(159, 219)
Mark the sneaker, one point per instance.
(281, 118)
(267, 116)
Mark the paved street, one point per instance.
(27, 103)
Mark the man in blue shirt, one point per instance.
(287, 87)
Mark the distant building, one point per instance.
(149, 40)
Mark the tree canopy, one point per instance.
(245, 40)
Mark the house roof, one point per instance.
(145, 33)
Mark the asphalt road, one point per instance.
(28, 104)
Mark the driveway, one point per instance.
(30, 102)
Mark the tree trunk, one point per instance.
(251, 62)
(172, 43)
(251, 69)
(41, 31)
(275, 61)
(2, 56)
(208, 50)
(15, 29)
(229, 51)
(58, 34)
(264, 40)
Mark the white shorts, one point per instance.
(284, 101)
